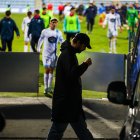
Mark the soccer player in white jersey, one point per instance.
(113, 21)
(25, 25)
(50, 37)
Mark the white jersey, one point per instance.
(113, 21)
(25, 25)
(50, 39)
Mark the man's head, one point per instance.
(29, 14)
(80, 42)
(8, 13)
(72, 11)
(36, 12)
(131, 6)
(44, 10)
(53, 23)
(112, 10)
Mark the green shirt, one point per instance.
(132, 16)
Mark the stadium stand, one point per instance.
(19, 6)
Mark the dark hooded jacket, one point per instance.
(67, 98)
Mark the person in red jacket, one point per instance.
(61, 9)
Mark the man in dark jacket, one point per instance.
(67, 98)
(90, 14)
(7, 28)
(35, 28)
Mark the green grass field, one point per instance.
(99, 43)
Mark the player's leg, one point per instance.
(3, 42)
(50, 80)
(109, 35)
(25, 46)
(51, 70)
(114, 39)
(9, 44)
(57, 130)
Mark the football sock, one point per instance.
(50, 80)
(114, 45)
(46, 76)
(25, 48)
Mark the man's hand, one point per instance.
(88, 61)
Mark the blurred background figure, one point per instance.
(113, 21)
(67, 8)
(71, 24)
(45, 16)
(50, 9)
(61, 10)
(25, 26)
(35, 28)
(80, 11)
(28, 8)
(101, 12)
(7, 28)
(90, 14)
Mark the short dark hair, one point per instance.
(37, 11)
(8, 13)
(29, 13)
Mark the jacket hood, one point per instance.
(65, 45)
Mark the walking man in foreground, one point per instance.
(67, 98)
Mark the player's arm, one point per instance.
(40, 42)
(105, 22)
(23, 25)
(60, 39)
(119, 22)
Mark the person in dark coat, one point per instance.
(7, 28)
(90, 14)
(67, 97)
(35, 28)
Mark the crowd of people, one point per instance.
(41, 27)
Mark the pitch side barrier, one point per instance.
(19, 72)
(105, 68)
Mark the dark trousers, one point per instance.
(69, 36)
(34, 42)
(90, 23)
(7, 43)
(80, 128)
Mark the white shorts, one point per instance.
(49, 62)
(112, 33)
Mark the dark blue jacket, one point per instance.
(35, 27)
(7, 28)
(91, 12)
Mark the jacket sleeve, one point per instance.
(78, 25)
(16, 28)
(23, 25)
(29, 29)
(65, 24)
(40, 42)
(71, 68)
